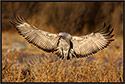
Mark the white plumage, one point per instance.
(63, 44)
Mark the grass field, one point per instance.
(35, 65)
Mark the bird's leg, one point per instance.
(62, 56)
(72, 54)
(59, 52)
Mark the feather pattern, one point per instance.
(92, 43)
(42, 39)
(63, 44)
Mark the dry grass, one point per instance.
(34, 65)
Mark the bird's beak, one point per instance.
(60, 36)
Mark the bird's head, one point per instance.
(64, 35)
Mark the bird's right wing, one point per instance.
(42, 39)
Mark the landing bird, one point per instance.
(63, 44)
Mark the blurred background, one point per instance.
(71, 17)
(76, 18)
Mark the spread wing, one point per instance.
(42, 39)
(92, 43)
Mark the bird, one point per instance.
(63, 44)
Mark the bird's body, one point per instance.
(63, 44)
(64, 47)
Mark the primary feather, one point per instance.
(42, 39)
(92, 43)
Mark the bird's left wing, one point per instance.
(42, 39)
(92, 43)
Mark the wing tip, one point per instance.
(107, 31)
(17, 19)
